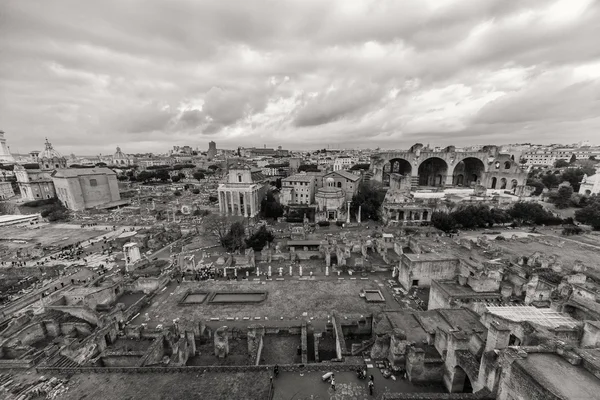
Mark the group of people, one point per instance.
(361, 373)
(14, 263)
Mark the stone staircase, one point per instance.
(358, 348)
(61, 361)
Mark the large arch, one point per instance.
(396, 166)
(433, 172)
(461, 383)
(468, 171)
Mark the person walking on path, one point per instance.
(332, 382)
(371, 387)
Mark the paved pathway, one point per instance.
(296, 386)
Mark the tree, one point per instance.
(532, 213)
(213, 167)
(196, 191)
(146, 176)
(573, 159)
(57, 212)
(308, 168)
(162, 174)
(473, 216)
(270, 206)
(235, 237)
(198, 175)
(562, 199)
(443, 221)
(522, 161)
(592, 158)
(369, 197)
(175, 179)
(590, 214)
(215, 225)
(550, 181)
(177, 193)
(575, 175)
(561, 163)
(539, 186)
(260, 238)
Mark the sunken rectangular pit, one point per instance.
(193, 298)
(233, 297)
(374, 296)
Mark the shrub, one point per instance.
(196, 191)
(339, 223)
(323, 223)
(42, 202)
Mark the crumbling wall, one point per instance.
(154, 354)
(255, 342)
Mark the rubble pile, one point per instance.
(51, 388)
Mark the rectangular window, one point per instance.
(93, 182)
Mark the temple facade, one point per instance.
(400, 207)
(242, 194)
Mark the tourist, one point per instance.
(371, 387)
(276, 370)
(332, 382)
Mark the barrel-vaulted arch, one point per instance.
(468, 171)
(396, 166)
(433, 172)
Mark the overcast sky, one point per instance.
(146, 75)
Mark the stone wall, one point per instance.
(591, 334)
(340, 341)
(425, 269)
(148, 285)
(517, 383)
(154, 354)
(421, 370)
(121, 360)
(81, 312)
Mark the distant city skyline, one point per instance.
(299, 74)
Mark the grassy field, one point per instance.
(162, 386)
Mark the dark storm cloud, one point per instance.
(293, 72)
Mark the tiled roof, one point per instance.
(345, 174)
(75, 172)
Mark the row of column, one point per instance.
(230, 203)
(413, 215)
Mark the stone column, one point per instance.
(245, 204)
(230, 202)
(358, 218)
(348, 214)
(326, 271)
(239, 203)
(291, 272)
(252, 203)
(300, 270)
